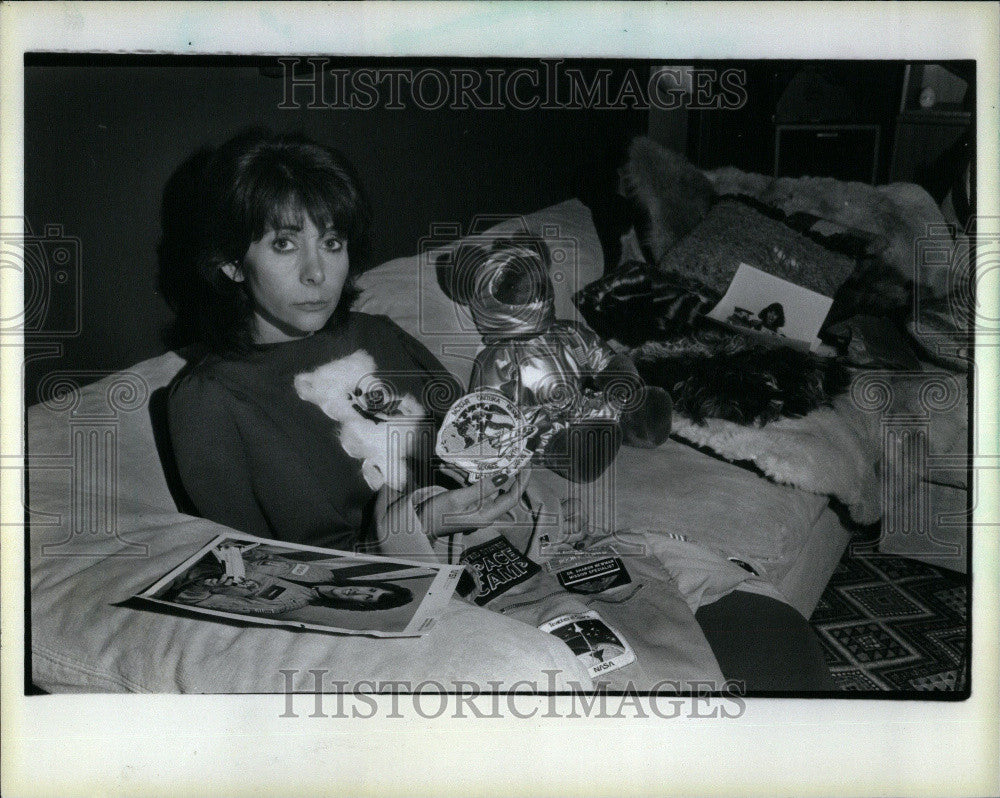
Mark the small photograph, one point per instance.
(282, 584)
(758, 302)
(597, 645)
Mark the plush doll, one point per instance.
(581, 399)
(338, 388)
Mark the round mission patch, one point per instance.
(484, 433)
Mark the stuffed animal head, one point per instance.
(370, 412)
(347, 388)
(506, 286)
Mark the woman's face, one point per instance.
(295, 275)
(362, 594)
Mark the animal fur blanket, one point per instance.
(832, 451)
(901, 218)
(849, 450)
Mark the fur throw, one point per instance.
(669, 194)
(831, 451)
(840, 450)
(709, 372)
(722, 375)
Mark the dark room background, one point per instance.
(103, 136)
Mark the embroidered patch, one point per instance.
(599, 647)
(496, 567)
(484, 433)
(595, 576)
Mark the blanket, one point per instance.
(899, 217)
(856, 450)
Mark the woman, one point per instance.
(262, 277)
(772, 317)
(260, 593)
(260, 272)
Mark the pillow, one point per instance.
(636, 302)
(828, 233)
(88, 636)
(406, 289)
(733, 233)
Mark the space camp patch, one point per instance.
(496, 566)
(601, 648)
(594, 576)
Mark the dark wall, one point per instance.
(101, 140)
(798, 92)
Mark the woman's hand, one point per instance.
(469, 508)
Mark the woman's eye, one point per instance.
(281, 244)
(333, 244)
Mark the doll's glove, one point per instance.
(648, 425)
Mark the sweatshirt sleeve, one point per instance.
(210, 456)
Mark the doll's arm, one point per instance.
(645, 410)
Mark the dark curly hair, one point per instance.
(394, 596)
(220, 201)
(779, 316)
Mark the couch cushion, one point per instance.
(108, 425)
(88, 636)
(733, 233)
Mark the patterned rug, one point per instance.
(889, 623)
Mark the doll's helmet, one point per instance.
(506, 286)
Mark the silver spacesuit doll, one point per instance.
(581, 398)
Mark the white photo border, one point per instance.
(179, 745)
